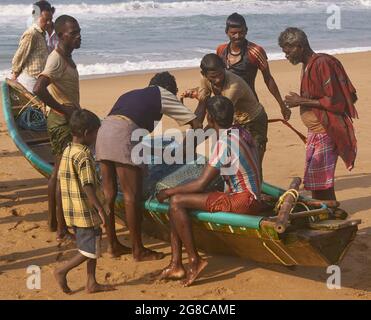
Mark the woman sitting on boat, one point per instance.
(235, 157)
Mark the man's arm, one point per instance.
(21, 55)
(40, 89)
(195, 186)
(94, 201)
(200, 111)
(273, 89)
(294, 100)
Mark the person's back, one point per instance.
(77, 168)
(236, 153)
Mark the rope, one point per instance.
(32, 119)
(308, 209)
(301, 136)
(25, 106)
(292, 192)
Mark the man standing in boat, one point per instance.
(58, 87)
(236, 150)
(326, 102)
(30, 58)
(244, 58)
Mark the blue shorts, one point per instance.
(88, 241)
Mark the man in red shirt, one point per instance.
(326, 103)
(244, 58)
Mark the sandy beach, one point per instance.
(25, 239)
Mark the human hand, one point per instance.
(14, 76)
(190, 93)
(293, 100)
(162, 195)
(286, 113)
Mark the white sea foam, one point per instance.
(137, 9)
(147, 65)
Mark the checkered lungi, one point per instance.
(242, 202)
(321, 158)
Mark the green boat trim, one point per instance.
(31, 156)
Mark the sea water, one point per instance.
(121, 36)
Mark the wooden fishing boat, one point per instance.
(312, 234)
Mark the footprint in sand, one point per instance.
(14, 213)
(15, 226)
(30, 227)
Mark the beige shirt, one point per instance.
(246, 105)
(311, 121)
(64, 86)
(32, 53)
(173, 108)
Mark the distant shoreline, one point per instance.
(142, 72)
(271, 57)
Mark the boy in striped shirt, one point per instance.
(235, 157)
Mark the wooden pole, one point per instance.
(285, 209)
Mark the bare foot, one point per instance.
(118, 250)
(194, 271)
(148, 255)
(62, 281)
(172, 272)
(96, 287)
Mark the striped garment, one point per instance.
(321, 158)
(236, 156)
(253, 57)
(77, 169)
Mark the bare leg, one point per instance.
(328, 194)
(60, 273)
(183, 227)
(52, 186)
(108, 171)
(92, 284)
(131, 180)
(175, 269)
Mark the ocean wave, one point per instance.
(147, 65)
(137, 9)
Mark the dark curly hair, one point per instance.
(221, 110)
(165, 80)
(83, 120)
(211, 62)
